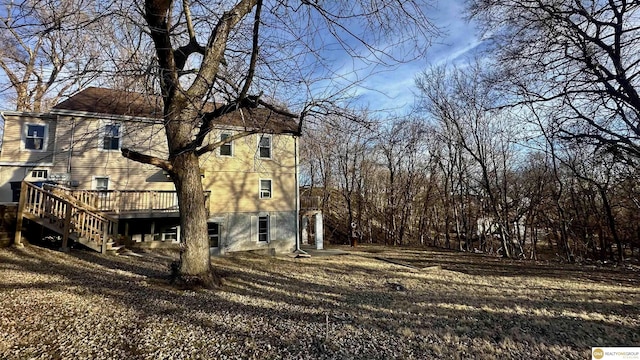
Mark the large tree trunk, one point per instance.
(193, 217)
(195, 265)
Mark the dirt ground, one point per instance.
(370, 303)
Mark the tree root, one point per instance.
(209, 280)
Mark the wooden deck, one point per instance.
(90, 217)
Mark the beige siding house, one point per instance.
(251, 182)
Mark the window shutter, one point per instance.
(272, 227)
(254, 228)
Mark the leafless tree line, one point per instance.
(532, 147)
(466, 174)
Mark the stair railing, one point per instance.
(70, 217)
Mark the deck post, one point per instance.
(153, 229)
(304, 230)
(114, 232)
(151, 200)
(105, 236)
(67, 227)
(17, 241)
(319, 231)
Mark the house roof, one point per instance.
(125, 103)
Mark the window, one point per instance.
(111, 138)
(264, 147)
(102, 183)
(35, 137)
(42, 174)
(263, 229)
(226, 149)
(170, 234)
(265, 189)
(214, 234)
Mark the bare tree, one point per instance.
(234, 52)
(599, 171)
(48, 49)
(402, 149)
(580, 57)
(461, 101)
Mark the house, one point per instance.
(251, 183)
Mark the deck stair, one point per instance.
(67, 216)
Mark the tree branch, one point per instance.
(147, 159)
(254, 52)
(215, 145)
(156, 15)
(216, 47)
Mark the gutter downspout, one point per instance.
(295, 158)
(3, 120)
(70, 151)
(300, 252)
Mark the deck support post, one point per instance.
(319, 231)
(105, 237)
(304, 229)
(67, 227)
(17, 241)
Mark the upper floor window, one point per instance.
(111, 137)
(102, 183)
(265, 188)
(226, 149)
(264, 147)
(35, 137)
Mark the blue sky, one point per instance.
(393, 89)
(380, 88)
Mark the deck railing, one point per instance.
(310, 202)
(119, 201)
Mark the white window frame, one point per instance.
(103, 135)
(36, 172)
(218, 235)
(164, 237)
(230, 145)
(265, 194)
(45, 137)
(263, 136)
(268, 232)
(95, 182)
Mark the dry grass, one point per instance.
(84, 305)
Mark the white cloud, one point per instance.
(392, 89)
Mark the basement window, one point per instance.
(39, 174)
(170, 234)
(263, 229)
(213, 230)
